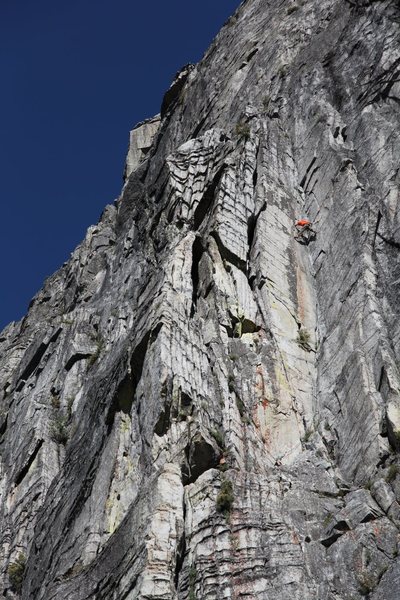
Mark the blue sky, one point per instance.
(76, 77)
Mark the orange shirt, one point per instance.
(303, 222)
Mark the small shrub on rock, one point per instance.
(242, 130)
(303, 339)
(392, 473)
(225, 497)
(367, 583)
(307, 435)
(59, 431)
(16, 571)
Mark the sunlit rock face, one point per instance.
(140, 142)
(197, 404)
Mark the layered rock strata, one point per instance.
(198, 405)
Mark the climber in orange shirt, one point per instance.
(303, 222)
(303, 225)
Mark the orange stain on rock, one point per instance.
(377, 531)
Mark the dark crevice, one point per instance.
(261, 283)
(391, 242)
(378, 221)
(200, 456)
(255, 172)
(197, 253)
(208, 289)
(34, 362)
(185, 408)
(342, 526)
(310, 166)
(207, 199)
(248, 59)
(180, 557)
(74, 359)
(229, 330)
(383, 94)
(164, 420)
(344, 164)
(252, 280)
(255, 177)
(186, 400)
(253, 53)
(379, 89)
(199, 127)
(369, 517)
(145, 151)
(55, 336)
(338, 530)
(24, 471)
(122, 401)
(228, 255)
(331, 540)
(251, 229)
(310, 179)
(251, 226)
(381, 377)
(3, 426)
(241, 326)
(382, 461)
(171, 211)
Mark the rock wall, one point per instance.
(198, 405)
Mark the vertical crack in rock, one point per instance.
(24, 471)
(228, 255)
(197, 253)
(203, 207)
(307, 176)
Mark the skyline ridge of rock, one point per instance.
(198, 405)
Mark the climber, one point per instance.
(302, 226)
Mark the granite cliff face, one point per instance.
(198, 406)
